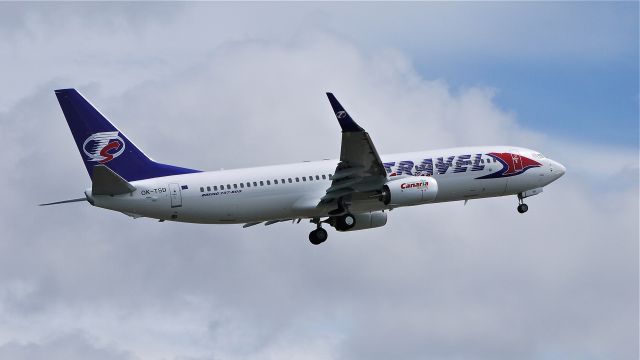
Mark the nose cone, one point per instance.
(561, 169)
(557, 169)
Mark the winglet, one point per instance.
(346, 122)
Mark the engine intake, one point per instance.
(409, 191)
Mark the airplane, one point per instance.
(354, 192)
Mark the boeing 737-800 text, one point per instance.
(354, 192)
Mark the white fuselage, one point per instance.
(293, 191)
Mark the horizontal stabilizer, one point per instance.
(64, 201)
(107, 182)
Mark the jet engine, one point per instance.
(409, 191)
(368, 220)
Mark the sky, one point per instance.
(228, 85)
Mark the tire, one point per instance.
(321, 234)
(345, 222)
(318, 236)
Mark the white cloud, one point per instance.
(441, 281)
(123, 45)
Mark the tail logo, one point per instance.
(103, 147)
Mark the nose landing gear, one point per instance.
(522, 207)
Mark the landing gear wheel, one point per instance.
(522, 208)
(318, 236)
(345, 222)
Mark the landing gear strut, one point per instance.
(341, 209)
(522, 207)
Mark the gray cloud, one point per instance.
(71, 346)
(559, 282)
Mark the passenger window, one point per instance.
(304, 178)
(324, 177)
(255, 183)
(235, 186)
(268, 182)
(208, 188)
(242, 185)
(201, 189)
(228, 187)
(282, 180)
(481, 161)
(330, 176)
(275, 182)
(261, 183)
(317, 177)
(248, 184)
(297, 179)
(215, 188)
(290, 181)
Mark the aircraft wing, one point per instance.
(360, 168)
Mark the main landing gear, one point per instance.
(522, 207)
(318, 236)
(341, 223)
(345, 222)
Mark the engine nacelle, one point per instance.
(409, 191)
(369, 220)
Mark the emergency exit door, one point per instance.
(176, 195)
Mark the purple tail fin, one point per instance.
(99, 142)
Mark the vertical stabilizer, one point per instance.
(99, 142)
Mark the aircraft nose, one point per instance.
(561, 169)
(557, 169)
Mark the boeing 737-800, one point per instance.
(354, 192)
